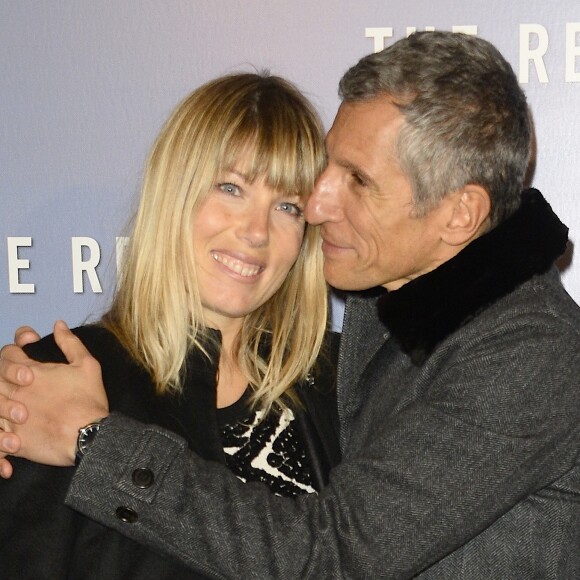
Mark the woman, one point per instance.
(216, 326)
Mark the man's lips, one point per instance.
(328, 247)
(242, 267)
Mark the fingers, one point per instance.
(9, 443)
(25, 335)
(14, 353)
(5, 469)
(12, 411)
(13, 374)
(15, 366)
(74, 350)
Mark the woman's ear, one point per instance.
(469, 213)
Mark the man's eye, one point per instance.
(229, 188)
(358, 180)
(291, 208)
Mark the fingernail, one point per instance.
(8, 444)
(21, 375)
(17, 415)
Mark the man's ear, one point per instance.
(468, 215)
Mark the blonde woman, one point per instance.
(216, 327)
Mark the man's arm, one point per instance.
(15, 370)
(426, 481)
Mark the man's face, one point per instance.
(364, 204)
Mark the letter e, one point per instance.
(15, 264)
(572, 52)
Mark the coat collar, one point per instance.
(426, 310)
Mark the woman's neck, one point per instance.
(231, 382)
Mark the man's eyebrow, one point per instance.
(350, 166)
(353, 168)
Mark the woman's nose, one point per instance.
(254, 227)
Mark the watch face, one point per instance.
(87, 436)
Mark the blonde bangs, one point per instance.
(266, 124)
(280, 146)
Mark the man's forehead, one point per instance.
(365, 130)
(369, 118)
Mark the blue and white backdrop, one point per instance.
(86, 85)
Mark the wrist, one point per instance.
(85, 439)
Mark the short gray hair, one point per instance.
(467, 119)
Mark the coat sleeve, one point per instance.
(425, 482)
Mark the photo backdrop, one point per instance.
(87, 85)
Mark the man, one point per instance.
(459, 372)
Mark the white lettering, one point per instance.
(535, 55)
(89, 266)
(15, 264)
(470, 29)
(572, 52)
(379, 35)
(533, 46)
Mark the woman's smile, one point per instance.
(242, 267)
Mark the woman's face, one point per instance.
(246, 238)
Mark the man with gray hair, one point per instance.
(459, 366)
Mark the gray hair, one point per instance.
(467, 120)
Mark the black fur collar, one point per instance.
(426, 310)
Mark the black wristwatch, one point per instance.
(85, 439)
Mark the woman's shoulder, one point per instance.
(119, 370)
(99, 341)
(319, 416)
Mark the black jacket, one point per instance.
(40, 538)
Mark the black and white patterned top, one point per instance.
(269, 450)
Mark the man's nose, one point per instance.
(324, 203)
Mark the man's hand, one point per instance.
(14, 371)
(35, 394)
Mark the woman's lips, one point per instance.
(238, 266)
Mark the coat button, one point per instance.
(143, 478)
(126, 515)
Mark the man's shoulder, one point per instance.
(543, 297)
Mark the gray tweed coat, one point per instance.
(459, 402)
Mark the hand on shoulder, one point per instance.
(33, 396)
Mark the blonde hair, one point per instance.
(157, 311)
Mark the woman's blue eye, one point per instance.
(291, 208)
(230, 188)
